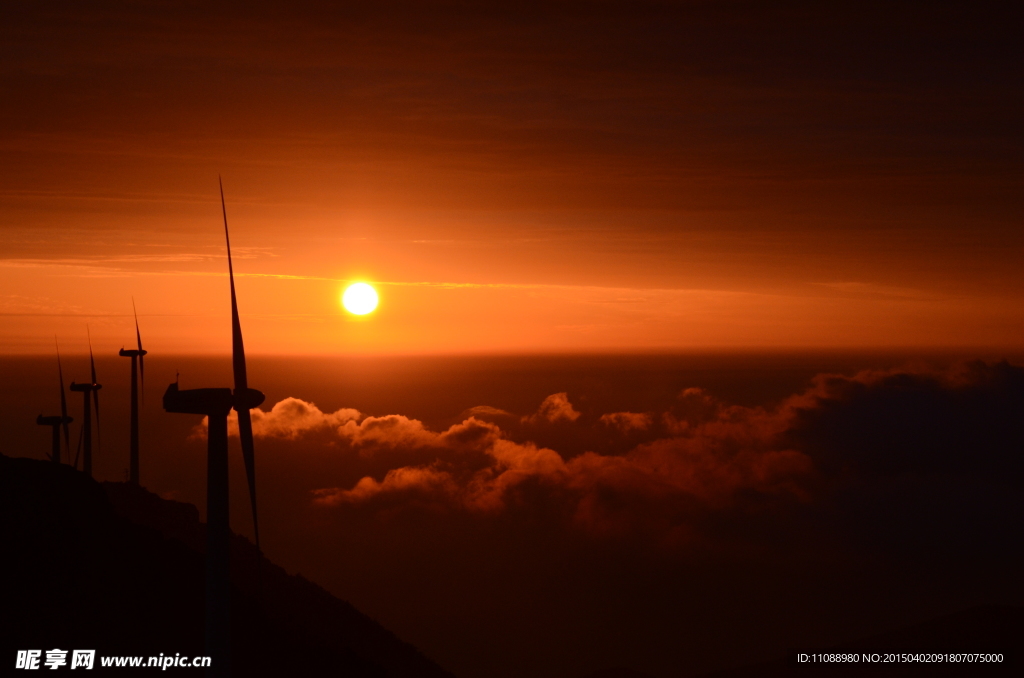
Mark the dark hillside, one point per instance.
(117, 569)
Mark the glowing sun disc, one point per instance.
(359, 298)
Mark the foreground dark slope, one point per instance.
(115, 568)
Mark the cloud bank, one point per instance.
(700, 458)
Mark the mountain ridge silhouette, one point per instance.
(115, 568)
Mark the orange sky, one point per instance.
(565, 178)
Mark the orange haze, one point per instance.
(558, 179)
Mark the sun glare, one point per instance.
(359, 298)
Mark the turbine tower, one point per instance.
(138, 381)
(58, 422)
(85, 389)
(216, 404)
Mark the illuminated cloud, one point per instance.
(555, 408)
(422, 481)
(390, 431)
(288, 419)
(709, 465)
(627, 421)
(486, 411)
(694, 406)
(291, 417)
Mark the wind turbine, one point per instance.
(138, 380)
(216, 404)
(86, 389)
(58, 422)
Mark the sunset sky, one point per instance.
(678, 360)
(557, 177)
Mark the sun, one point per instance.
(359, 298)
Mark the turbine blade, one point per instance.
(237, 346)
(63, 403)
(142, 369)
(248, 454)
(241, 380)
(92, 361)
(96, 406)
(95, 394)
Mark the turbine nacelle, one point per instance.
(248, 398)
(131, 353)
(85, 390)
(53, 421)
(212, 402)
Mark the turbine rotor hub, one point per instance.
(248, 398)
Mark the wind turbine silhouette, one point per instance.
(58, 422)
(138, 380)
(92, 387)
(216, 404)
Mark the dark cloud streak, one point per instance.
(796, 89)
